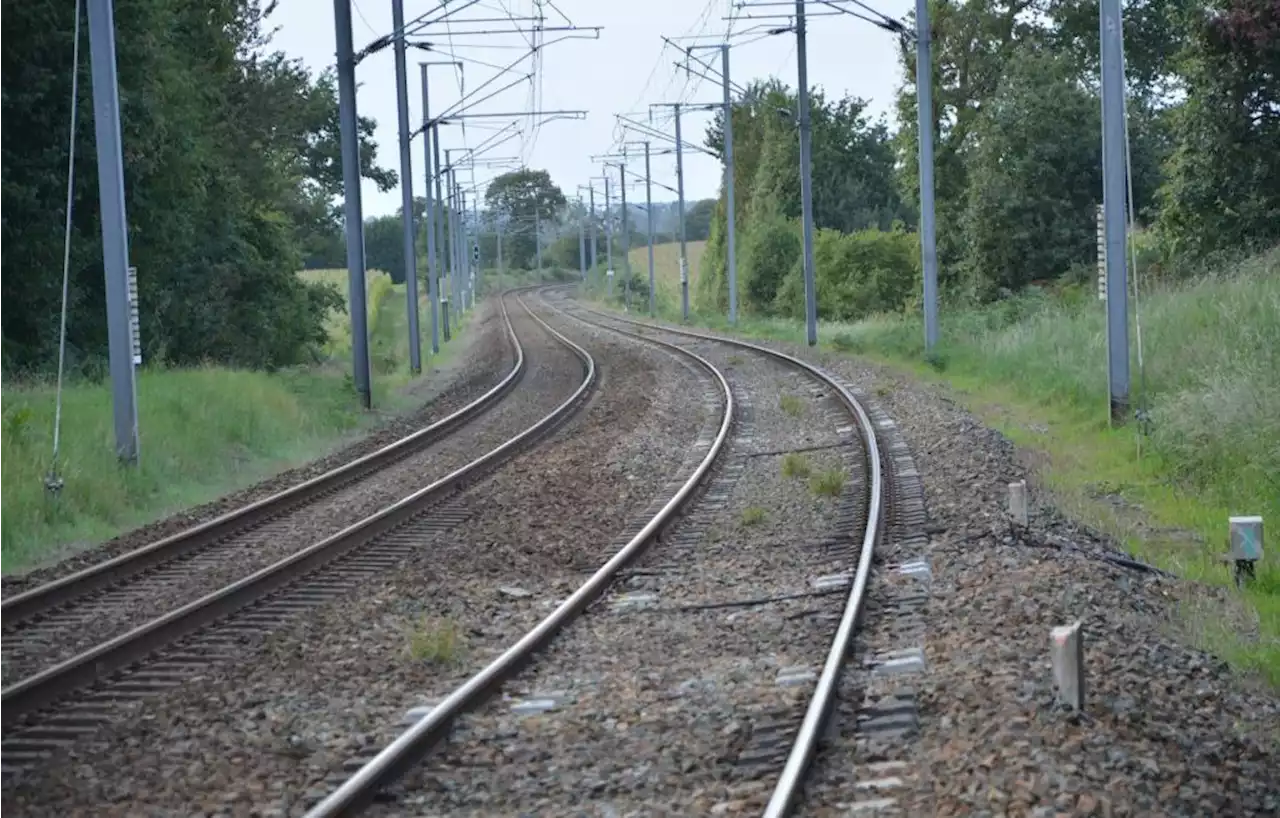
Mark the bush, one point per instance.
(770, 249)
(857, 274)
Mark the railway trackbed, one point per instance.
(237, 577)
(587, 694)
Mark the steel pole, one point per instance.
(115, 227)
(406, 191)
(442, 219)
(351, 189)
(806, 183)
(1113, 202)
(728, 187)
(430, 227)
(595, 239)
(608, 232)
(582, 247)
(925, 124)
(626, 234)
(684, 263)
(537, 241)
(648, 207)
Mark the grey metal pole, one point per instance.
(462, 251)
(500, 267)
(537, 240)
(442, 220)
(451, 212)
(1113, 199)
(591, 193)
(806, 183)
(351, 190)
(728, 187)
(608, 232)
(459, 271)
(582, 247)
(475, 248)
(432, 296)
(684, 263)
(626, 233)
(648, 206)
(925, 123)
(406, 191)
(115, 226)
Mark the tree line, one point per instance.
(1018, 157)
(232, 170)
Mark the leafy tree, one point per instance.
(520, 199)
(228, 150)
(1223, 188)
(1036, 173)
(697, 220)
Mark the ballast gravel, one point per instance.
(271, 734)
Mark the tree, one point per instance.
(1035, 176)
(228, 150)
(520, 199)
(697, 220)
(1223, 188)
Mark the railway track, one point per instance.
(58, 704)
(788, 746)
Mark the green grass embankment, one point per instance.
(1034, 367)
(204, 432)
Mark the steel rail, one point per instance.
(820, 705)
(47, 686)
(413, 744)
(65, 589)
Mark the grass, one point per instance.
(752, 515)
(435, 641)
(666, 273)
(795, 464)
(1034, 367)
(792, 405)
(204, 432)
(827, 483)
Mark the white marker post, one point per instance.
(1066, 650)
(1018, 503)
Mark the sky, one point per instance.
(622, 70)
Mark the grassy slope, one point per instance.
(204, 431)
(1035, 369)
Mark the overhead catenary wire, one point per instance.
(53, 482)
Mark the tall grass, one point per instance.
(204, 431)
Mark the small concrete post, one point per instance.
(1246, 546)
(1018, 503)
(1066, 650)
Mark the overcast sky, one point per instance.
(624, 70)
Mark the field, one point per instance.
(666, 271)
(1034, 367)
(204, 432)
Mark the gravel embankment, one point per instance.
(485, 356)
(270, 733)
(553, 372)
(673, 694)
(1168, 729)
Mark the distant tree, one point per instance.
(697, 220)
(519, 200)
(1034, 176)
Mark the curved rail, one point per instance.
(789, 782)
(408, 748)
(41, 689)
(19, 607)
